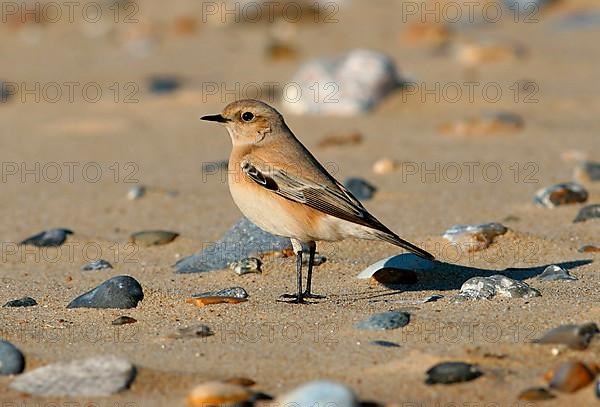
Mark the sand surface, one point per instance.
(160, 142)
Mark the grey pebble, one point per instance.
(317, 261)
(243, 240)
(573, 336)
(117, 292)
(21, 302)
(48, 238)
(385, 344)
(319, 393)
(560, 194)
(488, 287)
(384, 321)
(588, 212)
(360, 188)
(148, 238)
(235, 292)
(452, 372)
(12, 360)
(123, 320)
(246, 266)
(474, 237)
(99, 264)
(97, 376)
(194, 331)
(136, 192)
(554, 272)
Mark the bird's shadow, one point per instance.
(442, 276)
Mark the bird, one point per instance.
(282, 188)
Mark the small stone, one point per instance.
(280, 51)
(317, 261)
(203, 301)
(486, 51)
(194, 331)
(587, 171)
(404, 261)
(245, 266)
(392, 276)
(426, 33)
(474, 237)
(124, 320)
(21, 302)
(234, 292)
(360, 188)
(452, 372)
(48, 238)
(136, 192)
(243, 240)
(536, 393)
(574, 336)
(561, 194)
(341, 139)
(12, 360)
(487, 124)
(319, 393)
(97, 376)
(589, 248)
(588, 212)
(99, 264)
(384, 321)
(554, 272)
(163, 84)
(385, 166)
(385, 344)
(570, 376)
(153, 237)
(349, 84)
(218, 393)
(117, 292)
(488, 287)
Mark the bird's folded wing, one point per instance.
(334, 199)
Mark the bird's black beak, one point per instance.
(215, 118)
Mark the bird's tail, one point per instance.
(396, 240)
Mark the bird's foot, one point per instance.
(308, 294)
(292, 299)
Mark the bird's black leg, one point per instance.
(311, 259)
(299, 297)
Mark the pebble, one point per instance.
(385, 166)
(554, 272)
(574, 336)
(218, 393)
(487, 124)
(389, 275)
(536, 393)
(426, 33)
(360, 188)
(117, 292)
(589, 248)
(96, 376)
(486, 51)
(194, 331)
(341, 139)
(560, 194)
(471, 238)
(153, 237)
(587, 171)
(385, 344)
(245, 266)
(163, 84)
(21, 302)
(48, 238)
(99, 264)
(234, 292)
(203, 301)
(488, 287)
(570, 376)
(12, 360)
(319, 393)
(243, 240)
(317, 260)
(404, 261)
(349, 84)
(588, 212)
(384, 321)
(136, 192)
(281, 51)
(452, 372)
(124, 320)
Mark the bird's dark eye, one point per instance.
(247, 116)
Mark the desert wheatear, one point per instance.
(278, 184)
